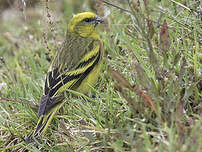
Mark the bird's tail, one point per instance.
(42, 125)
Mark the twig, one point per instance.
(19, 101)
(181, 5)
(123, 9)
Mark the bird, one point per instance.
(76, 66)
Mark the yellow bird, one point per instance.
(76, 66)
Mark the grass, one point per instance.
(152, 56)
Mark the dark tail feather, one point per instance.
(31, 139)
(46, 115)
(40, 128)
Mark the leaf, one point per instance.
(122, 82)
(164, 38)
(179, 113)
(125, 96)
(120, 79)
(142, 76)
(151, 29)
(148, 100)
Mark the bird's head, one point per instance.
(84, 24)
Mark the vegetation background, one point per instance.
(148, 97)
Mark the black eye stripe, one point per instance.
(88, 19)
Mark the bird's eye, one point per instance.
(87, 20)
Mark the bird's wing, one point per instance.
(73, 50)
(60, 79)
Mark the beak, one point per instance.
(98, 20)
